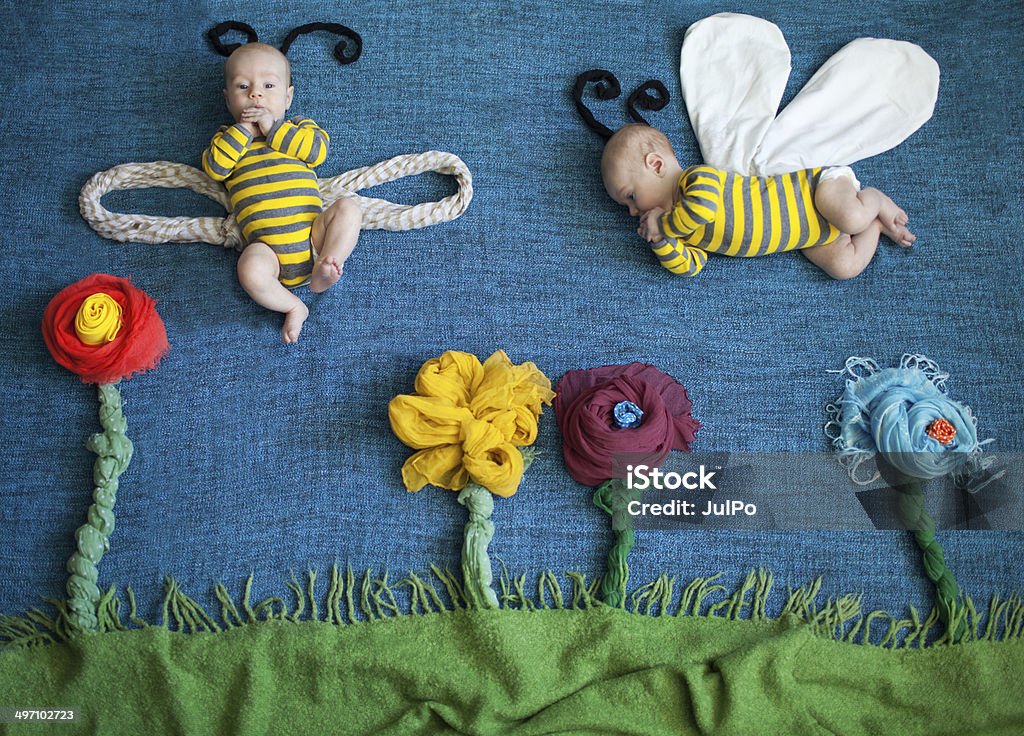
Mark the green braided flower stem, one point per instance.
(613, 498)
(476, 565)
(115, 452)
(921, 523)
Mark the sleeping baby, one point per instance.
(685, 215)
(266, 163)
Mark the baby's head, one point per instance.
(257, 75)
(640, 169)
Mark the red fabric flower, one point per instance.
(584, 407)
(138, 346)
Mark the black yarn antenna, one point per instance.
(607, 88)
(642, 98)
(347, 35)
(215, 33)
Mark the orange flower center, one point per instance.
(941, 430)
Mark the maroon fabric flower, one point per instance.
(584, 407)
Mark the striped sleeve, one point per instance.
(679, 258)
(225, 151)
(702, 192)
(300, 138)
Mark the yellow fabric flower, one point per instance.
(467, 421)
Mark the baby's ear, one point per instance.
(654, 162)
(291, 93)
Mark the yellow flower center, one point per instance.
(98, 320)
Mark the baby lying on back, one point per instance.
(686, 214)
(266, 163)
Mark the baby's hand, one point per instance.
(253, 130)
(260, 118)
(650, 225)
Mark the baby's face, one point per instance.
(636, 186)
(257, 78)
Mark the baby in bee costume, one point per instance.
(292, 227)
(773, 183)
(686, 215)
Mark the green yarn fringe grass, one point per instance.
(369, 597)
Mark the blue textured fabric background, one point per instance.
(253, 457)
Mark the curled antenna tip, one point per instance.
(642, 98)
(217, 32)
(348, 38)
(606, 88)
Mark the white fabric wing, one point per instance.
(733, 69)
(868, 97)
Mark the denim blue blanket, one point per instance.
(256, 457)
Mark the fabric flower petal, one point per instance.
(426, 421)
(504, 420)
(506, 385)
(455, 376)
(491, 399)
(491, 461)
(438, 466)
(525, 432)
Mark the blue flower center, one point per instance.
(627, 415)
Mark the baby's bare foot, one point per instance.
(894, 223)
(293, 322)
(325, 275)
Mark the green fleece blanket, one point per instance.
(577, 667)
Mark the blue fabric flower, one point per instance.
(889, 411)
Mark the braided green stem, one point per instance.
(920, 522)
(114, 452)
(476, 565)
(613, 498)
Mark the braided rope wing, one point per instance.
(125, 227)
(378, 214)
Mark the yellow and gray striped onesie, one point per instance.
(735, 215)
(273, 191)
